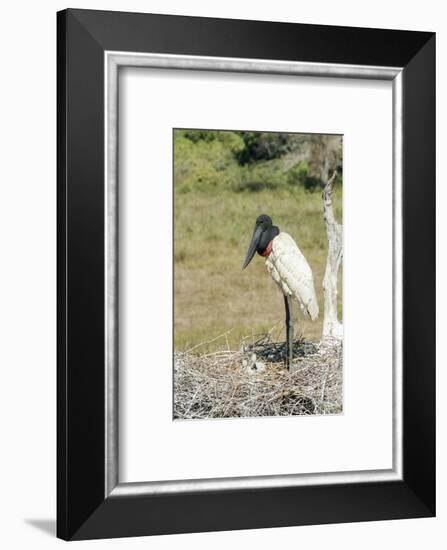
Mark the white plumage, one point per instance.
(290, 270)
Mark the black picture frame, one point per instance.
(84, 509)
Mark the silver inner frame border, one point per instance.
(113, 60)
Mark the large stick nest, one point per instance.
(254, 381)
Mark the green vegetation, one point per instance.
(223, 181)
(250, 161)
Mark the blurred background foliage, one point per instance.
(251, 161)
(223, 180)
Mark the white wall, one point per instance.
(27, 273)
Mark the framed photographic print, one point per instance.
(246, 274)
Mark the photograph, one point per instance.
(244, 251)
(258, 273)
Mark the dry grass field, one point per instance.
(213, 297)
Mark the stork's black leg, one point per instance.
(289, 332)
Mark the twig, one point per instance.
(323, 386)
(208, 341)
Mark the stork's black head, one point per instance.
(264, 232)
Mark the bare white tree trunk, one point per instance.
(332, 328)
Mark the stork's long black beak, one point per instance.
(253, 245)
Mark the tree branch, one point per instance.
(332, 328)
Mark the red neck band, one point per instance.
(267, 251)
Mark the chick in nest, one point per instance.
(252, 365)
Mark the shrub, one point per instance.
(298, 174)
(261, 175)
(204, 164)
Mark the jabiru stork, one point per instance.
(289, 269)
